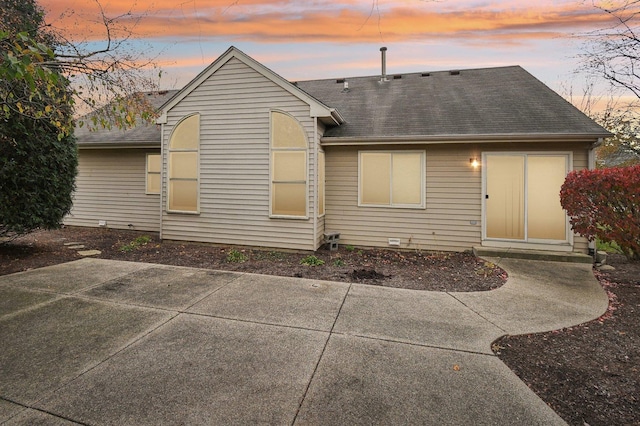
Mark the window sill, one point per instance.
(289, 217)
(386, 206)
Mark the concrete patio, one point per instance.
(105, 342)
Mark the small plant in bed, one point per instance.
(142, 240)
(339, 263)
(312, 260)
(235, 256)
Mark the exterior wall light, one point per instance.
(474, 162)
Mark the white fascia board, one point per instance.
(440, 139)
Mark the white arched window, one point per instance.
(288, 167)
(183, 166)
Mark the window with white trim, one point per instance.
(153, 174)
(183, 166)
(391, 179)
(288, 166)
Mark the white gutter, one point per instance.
(162, 173)
(438, 139)
(119, 146)
(591, 165)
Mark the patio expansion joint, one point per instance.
(108, 357)
(324, 348)
(246, 321)
(215, 290)
(36, 306)
(414, 344)
(477, 313)
(31, 407)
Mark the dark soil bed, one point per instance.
(411, 269)
(589, 374)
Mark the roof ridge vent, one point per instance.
(397, 76)
(426, 74)
(454, 72)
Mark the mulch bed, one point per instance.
(403, 269)
(589, 374)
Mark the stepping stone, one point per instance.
(89, 252)
(72, 244)
(76, 247)
(606, 268)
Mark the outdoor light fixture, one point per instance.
(474, 162)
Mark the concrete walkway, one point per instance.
(108, 342)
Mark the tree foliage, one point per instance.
(605, 204)
(38, 157)
(28, 87)
(39, 64)
(613, 53)
(623, 149)
(44, 77)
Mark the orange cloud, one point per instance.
(341, 21)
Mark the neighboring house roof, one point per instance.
(143, 134)
(624, 156)
(478, 104)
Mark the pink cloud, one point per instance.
(341, 21)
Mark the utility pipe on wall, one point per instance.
(383, 50)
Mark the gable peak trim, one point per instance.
(317, 108)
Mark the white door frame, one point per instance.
(534, 244)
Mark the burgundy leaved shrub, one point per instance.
(605, 204)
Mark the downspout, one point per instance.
(315, 183)
(591, 165)
(162, 174)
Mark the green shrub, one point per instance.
(609, 247)
(37, 174)
(339, 263)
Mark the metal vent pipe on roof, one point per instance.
(383, 50)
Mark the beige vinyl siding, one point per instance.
(234, 106)
(452, 218)
(110, 186)
(452, 201)
(580, 162)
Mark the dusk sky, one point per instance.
(341, 38)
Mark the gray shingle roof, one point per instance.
(442, 105)
(143, 134)
(490, 101)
